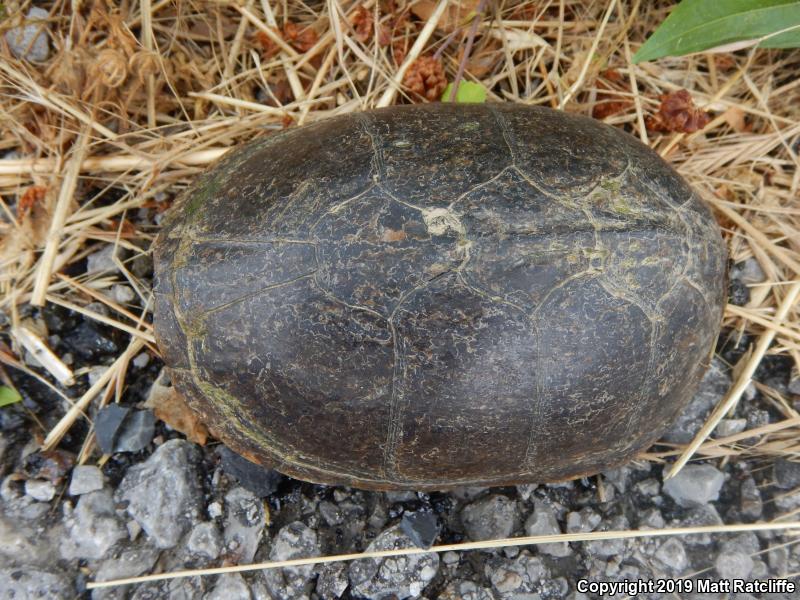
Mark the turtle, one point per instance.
(423, 297)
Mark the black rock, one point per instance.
(119, 429)
(738, 293)
(262, 482)
(422, 527)
(89, 343)
(107, 425)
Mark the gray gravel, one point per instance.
(85, 479)
(714, 385)
(93, 528)
(34, 584)
(295, 540)
(495, 516)
(401, 576)
(29, 41)
(163, 494)
(695, 485)
(244, 524)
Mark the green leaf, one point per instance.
(467, 93)
(697, 25)
(8, 395)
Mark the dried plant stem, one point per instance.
(101, 298)
(637, 101)
(323, 71)
(109, 163)
(270, 33)
(424, 35)
(102, 319)
(462, 64)
(54, 365)
(780, 253)
(738, 311)
(585, 68)
(65, 199)
(745, 376)
(486, 544)
(115, 370)
(146, 10)
(53, 101)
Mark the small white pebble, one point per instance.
(40, 490)
(141, 360)
(122, 294)
(214, 510)
(95, 373)
(450, 558)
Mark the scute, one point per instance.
(466, 139)
(470, 362)
(429, 296)
(587, 391)
(300, 396)
(374, 250)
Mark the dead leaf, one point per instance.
(735, 117)
(456, 15)
(169, 406)
(31, 197)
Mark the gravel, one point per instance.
(121, 429)
(40, 490)
(421, 527)
(733, 565)
(85, 479)
(695, 485)
(583, 521)
(295, 540)
(205, 540)
(495, 516)
(29, 41)
(163, 494)
(262, 482)
(466, 590)
(787, 474)
(244, 524)
(401, 576)
(523, 574)
(672, 556)
(93, 528)
(230, 586)
(129, 562)
(714, 386)
(332, 581)
(543, 521)
(33, 584)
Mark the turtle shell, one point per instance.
(422, 297)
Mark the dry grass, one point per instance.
(135, 101)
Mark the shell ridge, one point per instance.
(393, 426)
(378, 164)
(505, 131)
